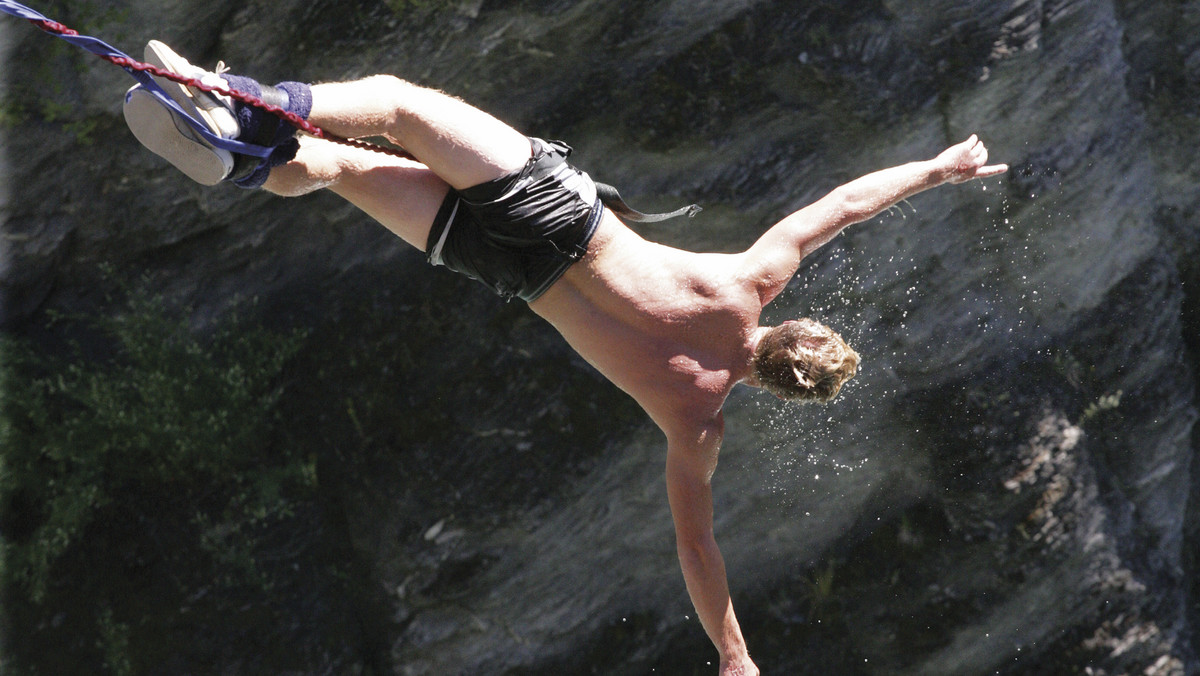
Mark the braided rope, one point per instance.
(300, 123)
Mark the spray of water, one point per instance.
(896, 291)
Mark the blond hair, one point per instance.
(804, 360)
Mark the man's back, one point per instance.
(672, 328)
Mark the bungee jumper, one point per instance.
(674, 329)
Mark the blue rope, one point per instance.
(104, 50)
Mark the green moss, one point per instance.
(11, 113)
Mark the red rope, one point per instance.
(289, 117)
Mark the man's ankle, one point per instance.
(261, 127)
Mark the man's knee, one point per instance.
(386, 83)
(400, 97)
(397, 92)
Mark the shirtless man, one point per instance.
(676, 330)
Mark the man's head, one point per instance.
(803, 360)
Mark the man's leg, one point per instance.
(404, 196)
(457, 145)
(460, 143)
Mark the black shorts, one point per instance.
(519, 233)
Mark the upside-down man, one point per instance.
(676, 330)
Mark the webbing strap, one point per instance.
(142, 72)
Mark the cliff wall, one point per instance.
(1005, 488)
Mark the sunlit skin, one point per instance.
(674, 329)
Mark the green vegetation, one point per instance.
(820, 593)
(11, 114)
(1108, 402)
(163, 421)
(114, 644)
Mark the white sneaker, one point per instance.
(215, 109)
(162, 131)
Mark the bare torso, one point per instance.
(673, 329)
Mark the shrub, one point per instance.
(166, 413)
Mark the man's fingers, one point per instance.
(993, 170)
(971, 157)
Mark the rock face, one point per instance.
(1004, 489)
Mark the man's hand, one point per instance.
(966, 161)
(740, 667)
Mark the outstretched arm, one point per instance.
(776, 256)
(691, 460)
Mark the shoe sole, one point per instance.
(155, 127)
